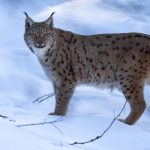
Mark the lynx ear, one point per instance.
(49, 21)
(28, 21)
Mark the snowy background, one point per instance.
(91, 110)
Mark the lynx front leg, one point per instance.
(63, 94)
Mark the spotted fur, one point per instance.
(111, 60)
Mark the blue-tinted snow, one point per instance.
(91, 110)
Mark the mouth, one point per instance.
(40, 46)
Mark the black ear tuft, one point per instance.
(25, 14)
(49, 21)
(28, 21)
(52, 14)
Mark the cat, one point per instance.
(111, 60)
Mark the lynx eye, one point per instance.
(31, 34)
(47, 34)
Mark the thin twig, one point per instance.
(100, 136)
(42, 123)
(60, 131)
(44, 97)
(5, 117)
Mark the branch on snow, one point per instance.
(105, 131)
(5, 117)
(44, 123)
(43, 98)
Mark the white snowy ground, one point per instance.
(91, 110)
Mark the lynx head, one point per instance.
(39, 35)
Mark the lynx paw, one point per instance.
(51, 114)
(56, 114)
(125, 121)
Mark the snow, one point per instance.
(91, 109)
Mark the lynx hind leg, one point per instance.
(63, 94)
(133, 93)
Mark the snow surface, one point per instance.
(91, 110)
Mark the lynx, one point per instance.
(111, 60)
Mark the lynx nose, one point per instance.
(40, 42)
